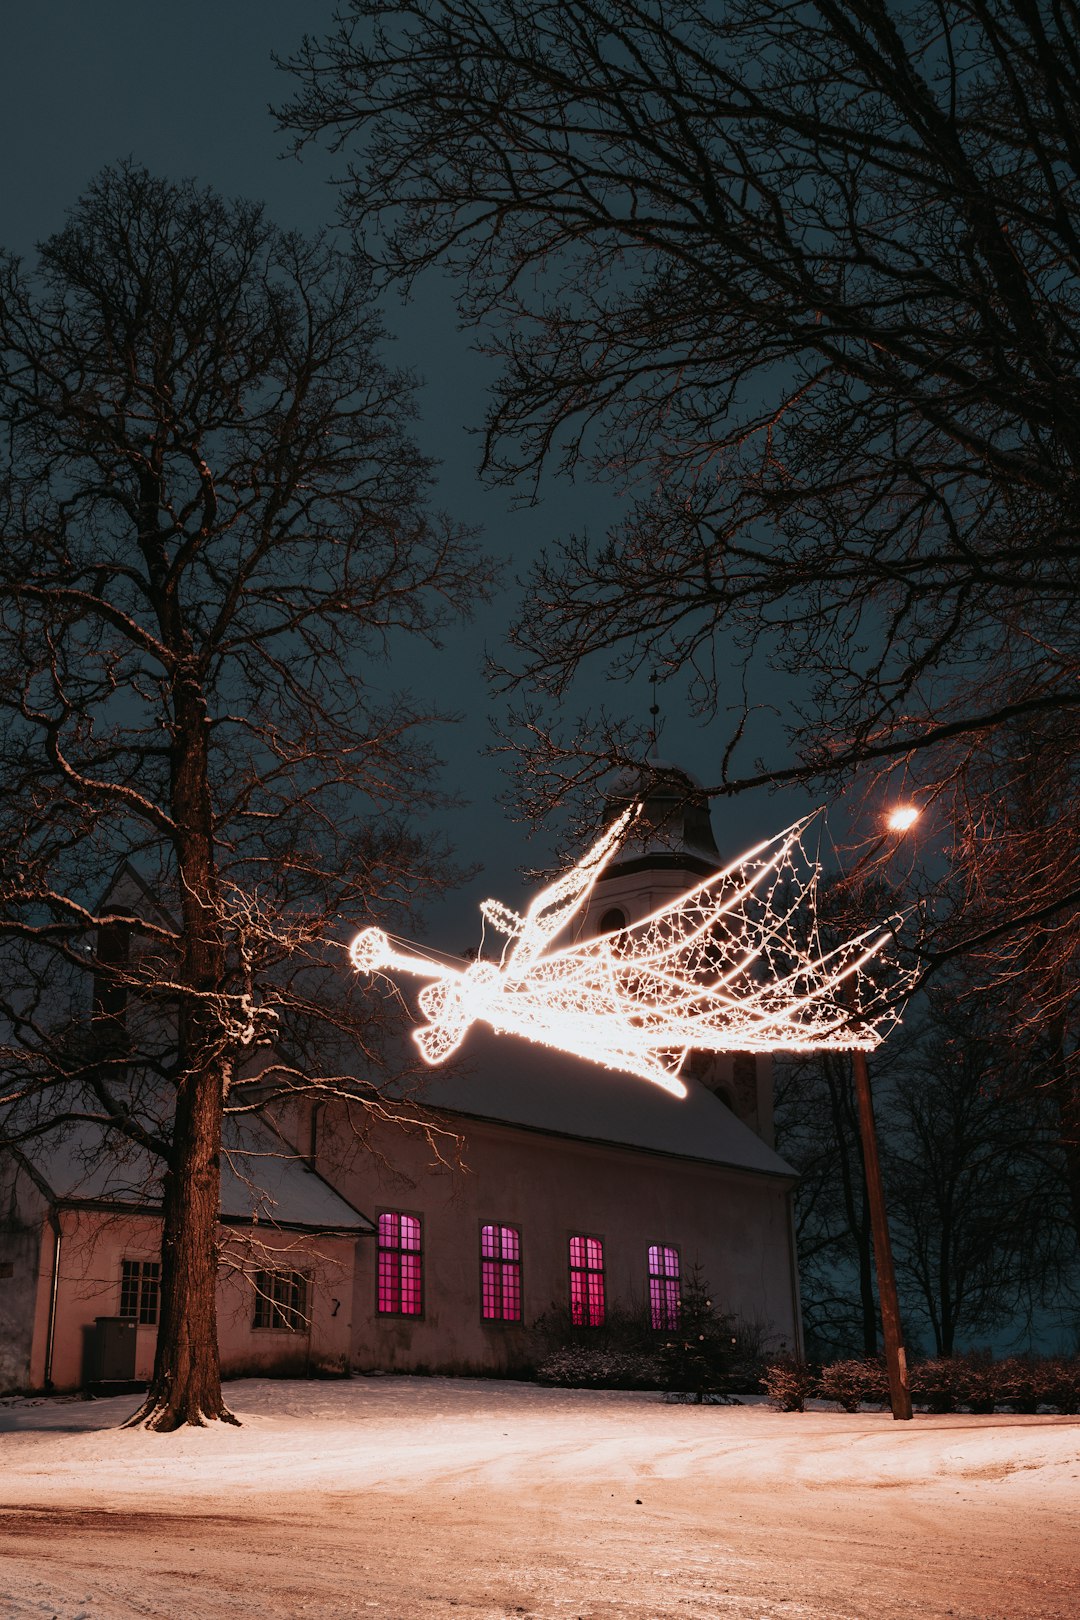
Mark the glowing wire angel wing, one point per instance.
(554, 907)
(735, 964)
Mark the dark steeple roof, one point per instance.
(674, 831)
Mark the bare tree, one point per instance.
(807, 277)
(1014, 848)
(817, 1130)
(214, 525)
(977, 1195)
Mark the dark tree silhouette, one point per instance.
(808, 277)
(214, 523)
(974, 1174)
(982, 1235)
(818, 1132)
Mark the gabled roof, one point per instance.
(262, 1176)
(674, 829)
(128, 891)
(515, 1082)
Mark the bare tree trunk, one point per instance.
(846, 1126)
(186, 1386)
(867, 1299)
(1066, 1093)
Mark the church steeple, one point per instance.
(674, 830)
(669, 844)
(668, 847)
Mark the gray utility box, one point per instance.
(114, 1349)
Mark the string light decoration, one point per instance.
(735, 964)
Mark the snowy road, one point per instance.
(407, 1497)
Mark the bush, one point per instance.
(941, 1383)
(978, 1379)
(849, 1383)
(710, 1355)
(937, 1383)
(1017, 1384)
(594, 1366)
(788, 1381)
(622, 1354)
(1058, 1383)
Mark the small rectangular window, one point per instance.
(281, 1301)
(399, 1264)
(140, 1285)
(586, 1282)
(665, 1296)
(500, 1274)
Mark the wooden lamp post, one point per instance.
(892, 1334)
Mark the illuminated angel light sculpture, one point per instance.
(735, 964)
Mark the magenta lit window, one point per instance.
(500, 1274)
(665, 1299)
(586, 1282)
(399, 1264)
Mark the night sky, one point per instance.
(186, 91)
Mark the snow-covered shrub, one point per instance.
(849, 1383)
(979, 1384)
(978, 1376)
(621, 1354)
(788, 1381)
(755, 1345)
(1057, 1381)
(594, 1366)
(1017, 1384)
(937, 1383)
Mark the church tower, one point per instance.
(668, 849)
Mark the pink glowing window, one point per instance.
(500, 1274)
(665, 1301)
(586, 1282)
(399, 1264)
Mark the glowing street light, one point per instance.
(900, 819)
(903, 816)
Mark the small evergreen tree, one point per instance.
(700, 1357)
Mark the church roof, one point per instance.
(262, 1176)
(515, 1082)
(674, 829)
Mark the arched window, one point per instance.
(399, 1264)
(586, 1282)
(612, 921)
(500, 1274)
(665, 1294)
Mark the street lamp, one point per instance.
(900, 819)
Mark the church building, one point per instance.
(554, 1185)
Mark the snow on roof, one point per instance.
(515, 1082)
(674, 825)
(261, 1175)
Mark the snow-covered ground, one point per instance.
(430, 1497)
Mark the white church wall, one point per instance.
(735, 1224)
